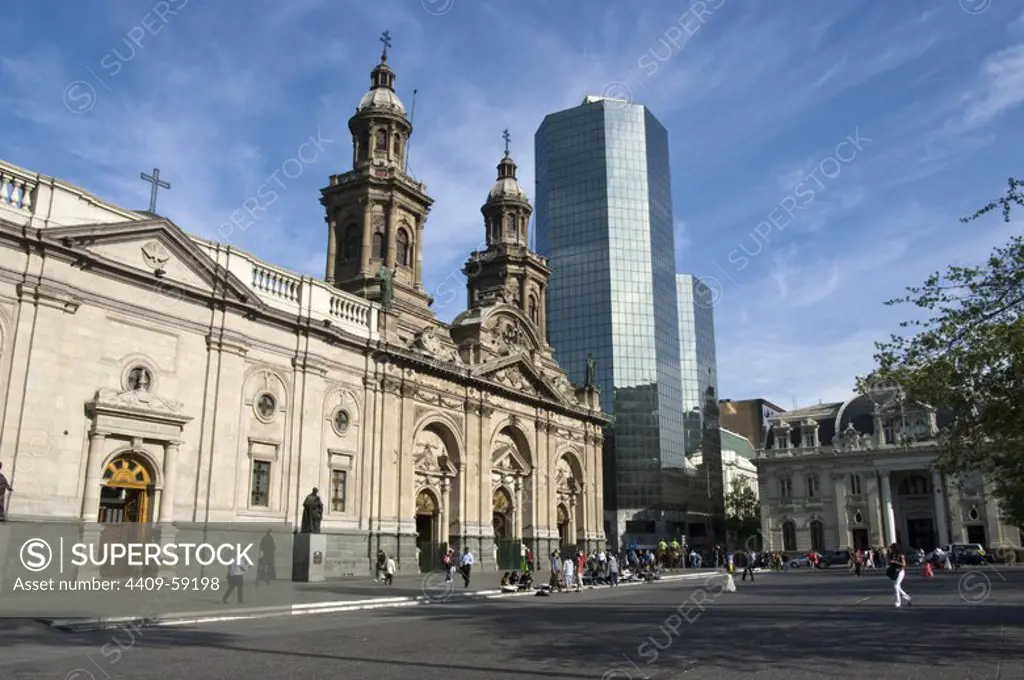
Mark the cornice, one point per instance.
(461, 375)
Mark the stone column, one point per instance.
(167, 498)
(890, 516)
(390, 234)
(367, 235)
(443, 513)
(571, 534)
(842, 524)
(417, 255)
(941, 522)
(332, 250)
(93, 477)
(518, 518)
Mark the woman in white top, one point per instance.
(568, 568)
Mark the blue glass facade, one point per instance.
(698, 366)
(603, 213)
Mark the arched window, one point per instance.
(402, 248)
(350, 246)
(817, 535)
(510, 225)
(915, 485)
(532, 309)
(378, 246)
(788, 536)
(364, 146)
(812, 486)
(382, 140)
(397, 146)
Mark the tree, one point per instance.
(742, 510)
(967, 355)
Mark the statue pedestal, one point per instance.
(308, 556)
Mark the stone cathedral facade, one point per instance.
(149, 375)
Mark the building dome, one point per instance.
(507, 186)
(381, 99)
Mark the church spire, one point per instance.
(507, 210)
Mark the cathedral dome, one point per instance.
(507, 186)
(381, 99)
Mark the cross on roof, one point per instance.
(157, 183)
(385, 39)
(508, 138)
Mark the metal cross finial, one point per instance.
(508, 138)
(385, 39)
(157, 183)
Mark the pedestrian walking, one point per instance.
(5, 486)
(896, 572)
(749, 568)
(235, 580)
(389, 571)
(466, 565)
(613, 569)
(858, 561)
(448, 565)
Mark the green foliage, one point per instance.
(968, 355)
(741, 502)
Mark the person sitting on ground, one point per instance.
(506, 579)
(525, 581)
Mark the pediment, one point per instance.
(139, 403)
(517, 373)
(158, 248)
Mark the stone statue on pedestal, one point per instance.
(591, 380)
(312, 513)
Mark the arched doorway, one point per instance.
(125, 509)
(502, 515)
(126, 496)
(427, 514)
(563, 525)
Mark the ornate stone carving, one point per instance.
(565, 388)
(848, 440)
(409, 389)
(425, 457)
(391, 385)
(156, 256)
(513, 377)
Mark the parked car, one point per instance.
(831, 558)
(800, 562)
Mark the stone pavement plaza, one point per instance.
(793, 626)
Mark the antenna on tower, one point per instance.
(412, 119)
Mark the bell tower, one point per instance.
(508, 272)
(376, 212)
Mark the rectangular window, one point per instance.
(260, 483)
(785, 488)
(812, 487)
(890, 432)
(338, 480)
(855, 484)
(808, 440)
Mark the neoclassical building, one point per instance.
(149, 375)
(860, 473)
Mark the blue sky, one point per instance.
(755, 95)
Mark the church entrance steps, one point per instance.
(342, 595)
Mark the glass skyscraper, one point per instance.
(698, 370)
(604, 222)
(698, 366)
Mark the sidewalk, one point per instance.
(328, 597)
